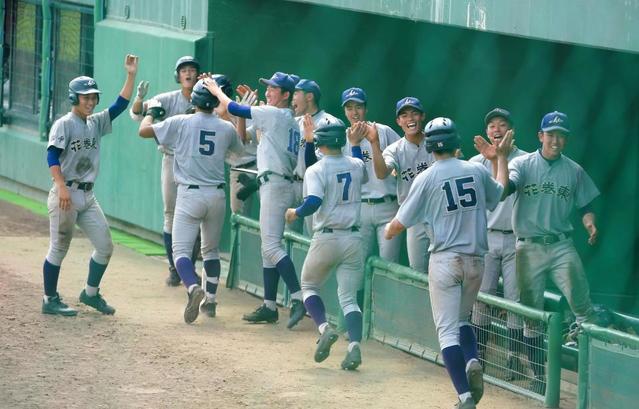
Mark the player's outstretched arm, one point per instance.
(588, 219)
(502, 150)
(146, 128)
(138, 103)
(379, 165)
(131, 67)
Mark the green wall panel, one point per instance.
(23, 158)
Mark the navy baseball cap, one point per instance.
(498, 112)
(354, 94)
(309, 86)
(555, 121)
(409, 102)
(281, 80)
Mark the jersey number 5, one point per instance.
(466, 195)
(346, 178)
(207, 146)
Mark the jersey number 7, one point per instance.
(346, 178)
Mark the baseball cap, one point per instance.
(354, 94)
(281, 80)
(555, 121)
(309, 86)
(498, 112)
(409, 102)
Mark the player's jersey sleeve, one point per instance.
(314, 184)
(413, 209)
(236, 147)
(264, 116)
(516, 169)
(493, 188)
(166, 132)
(57, 135)
(387, 135)
(390, 156)
(586, 190)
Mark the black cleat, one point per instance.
(173, 280)
(97, 302)
(192, 309)
(55, 306)
(475, 376)
(324, 343)
(353, 359)
(262, 314)
(297, 313)
(208, 308)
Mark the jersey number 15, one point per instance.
(466, 195)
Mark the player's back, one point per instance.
(455, 196)
(337, 180)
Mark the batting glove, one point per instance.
(143, 89)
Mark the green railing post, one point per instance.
(2, 50)
(231, 278)
(554, 361)
(368, 300)
(584, 371)
(98, 12)
(45, 85)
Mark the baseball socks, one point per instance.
(468, 342)
(168, 247)
(50, 275)
(186, 272)
(315, 307)
(271, 279)
(212, 269)
(286, 270)
(456, 367)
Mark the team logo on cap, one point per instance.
(351, 93)
(90, 82)
(556, 120)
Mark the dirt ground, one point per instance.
(145, 356)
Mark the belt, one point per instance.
(86, 186)
(387, 198)
(297, 178)
(329, 230)
(264, 177)
(502, 231)
(247, 164)
(545, 240)
(220, 186)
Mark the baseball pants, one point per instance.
(169, 191)
(276, 196)
(86, 213)
(373, 220)
(453, 284)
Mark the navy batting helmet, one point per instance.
(82, 85)
(332, 135)
(202, 97)
(224, 83)
(441, 135)
(182, 61)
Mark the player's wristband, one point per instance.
(310, 206)
(53, 156)
(118, 107)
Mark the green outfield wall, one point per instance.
(457, 72)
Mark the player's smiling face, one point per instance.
(552, 144)
(300, 106)
(86, 105)
(187, 75)
(496, 129)
(411, 121)
(276, 97)
(355, 112)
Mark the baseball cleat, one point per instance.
(297, 313)
(475, 376)
(173, 280)
(55, 306)
(262, 314)
(467, 404)
(353, 359)
(192, 309)
(208, 308)
(324, 343)
(97, 302)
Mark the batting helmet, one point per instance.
(332, 135)
(182, 61)
(82, 86)
(202, 97)
(441, 135)
(224, 83)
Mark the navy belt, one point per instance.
(220, 186)
(329, 230)
(264, 177)
(545, 240)
(388, 198)
(86, 186)
(297, 178)
(502, 231)
(247, 164)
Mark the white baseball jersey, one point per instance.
(80, 141)
(280, 139)
(501, 217)
(452, 196)
(377, 188)
(407, 160)
(337, 180)
(546, 193)
(320, 118)
(174, 103)
(250, 148)
(201, 143)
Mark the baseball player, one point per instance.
(276, 158)
(73, 155)
(405, 159)
(379, 196)
(500, 258)
(202, 142)
(333, 187)
(547, 186)
(174, 103)
(453, 196)
(306, 99)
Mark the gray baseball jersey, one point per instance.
(407, 160)
(320, 118)
(279, 142)
(546, 194)
(452, 196)
(201, 143)
(174, 103)
(501, 217)
(80, 141)
(337, 181)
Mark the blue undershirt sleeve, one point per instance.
(118, 107)
(239, 110)
(53, 156)
(310, 206)
(356, 152)
(309, 154)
